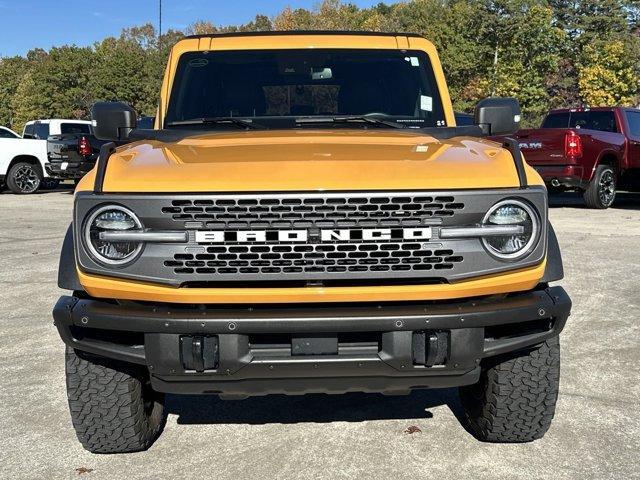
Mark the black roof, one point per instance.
(307, 32)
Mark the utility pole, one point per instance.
(495, 69)
(160, 25)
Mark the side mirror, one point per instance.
(498, 115)
(113, 120)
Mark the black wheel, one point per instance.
(112, 405)
(515, 399)
(601, 192)
(24, 178)
(50, 183)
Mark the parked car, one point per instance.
(146, 123)
(72, 155)
(463, 119)
(8, 133)
(21, 162)
(23, 159)
(290, 229)
(591, 150)
(42, 129)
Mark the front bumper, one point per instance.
(255, 352)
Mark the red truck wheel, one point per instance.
(601, 192)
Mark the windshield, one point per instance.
(283, 86)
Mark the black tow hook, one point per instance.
(199, 352)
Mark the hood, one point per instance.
(309, 160)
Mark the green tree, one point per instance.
(261, 23)
(587, 22)
(601, 18)
(25, 102)
(119, 70)
(202, 27)
(155, 64)
(608, 76)
(130, 68)
(12, 70)
(289, 19)
(527, 50)
(55, 86)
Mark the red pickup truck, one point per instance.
(592, 150)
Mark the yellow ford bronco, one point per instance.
(306, 217)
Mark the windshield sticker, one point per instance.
(414, 61)
(426, 103)
(198, 62)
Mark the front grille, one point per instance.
(273, 260)
(313, 259)
(336, 246)
(314, 211)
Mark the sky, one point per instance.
(27, 24)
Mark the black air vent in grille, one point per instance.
(344, 211)
(313, 258)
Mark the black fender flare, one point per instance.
(67, 273)
(554, 269)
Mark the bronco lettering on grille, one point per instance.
(301, 236)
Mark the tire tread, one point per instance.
(11, 185)
(107, 406)
(515, 399)
(590, 195)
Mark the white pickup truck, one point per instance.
(23, 158)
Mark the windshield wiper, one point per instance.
(351, 118)
(248, 124)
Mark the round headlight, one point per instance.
(512, 213)
(111, 218)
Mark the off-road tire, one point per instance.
(515, 399)
(24, 178)
(113, 408)
(601, 192)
